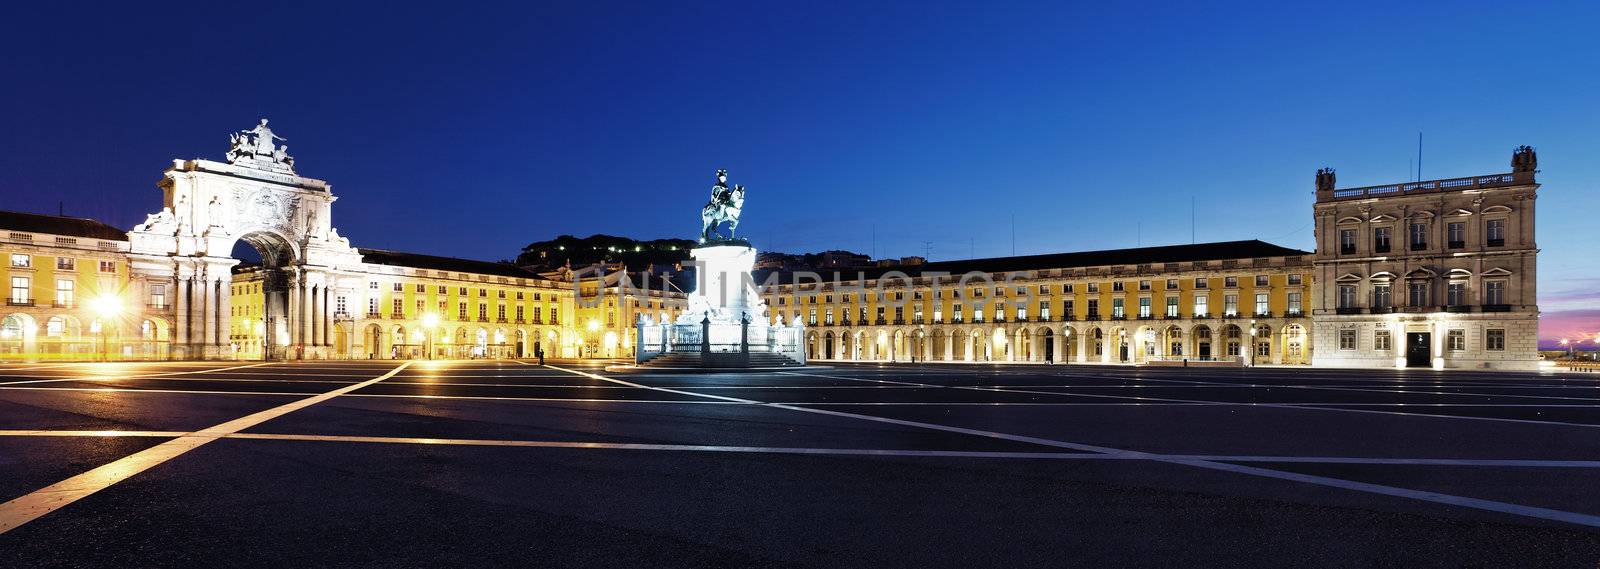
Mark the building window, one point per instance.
(1116, 286)
(1144, 308)
(108, 266)
(1347, 296)
(1201, 282)
(1381, 297)
(1261, 303)
(1261, 280)
(1419, 236)
(372, 285)
(1418, 291)
(555, 315)
(158, 296)
(1347, 241)
(21, 261)
(443, 289)
(500, 312)
(1495, 340)
(1380, 341)
(1294, 279)
(372, 307)
(519, 313)
(1456, 234)
(399, 287)
(1066, 288)
(1144, 285)
(422, 287)
(461, 311)
(483, 311)
(827, 317)
(1200, 309)
(66, 264)
(338, 303)
(1094, 308)
(1347, 339)
(811, 317)
(1172, 307)
(397, 306)
(1495, 231)
(1094, 287)
(977, 312)
(1172, 284)
(1494, 292)
(64, 292)
(1456, 293)
(1230, 282)
(1380, 240)
(1230, 304)
(1456, 340)
(955, 311)
(1294, 303)
(1116, 308)
(1044, 310)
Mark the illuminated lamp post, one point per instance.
(106, 307)
(1252, 343)
(430, 321)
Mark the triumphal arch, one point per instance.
(256, 198)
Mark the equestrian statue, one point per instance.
(724, 207)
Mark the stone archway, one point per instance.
(255, 197)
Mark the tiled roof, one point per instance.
(452, 264)
(59, 225)
(1137, 256)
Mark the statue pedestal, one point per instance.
(726, 324)
(724, 291)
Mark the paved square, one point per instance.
(389, 463)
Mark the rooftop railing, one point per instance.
(1474, 182)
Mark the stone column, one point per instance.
(291, 317)
(180, 302)
(225, 310)
(205, 296)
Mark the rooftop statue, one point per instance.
(724, 206)
(1523, 159)
(255, 147)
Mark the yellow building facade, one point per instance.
(70, 294)
(1236, 302)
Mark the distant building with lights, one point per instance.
(1438, 273)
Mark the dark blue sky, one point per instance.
(469, 129)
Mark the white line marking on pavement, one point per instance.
(389, 395)
(1493, 462)
(106, 433)
(55, 496)
(135, 376)
(1476, 503)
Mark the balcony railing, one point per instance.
(1497, 308)
(61, 304)
(1458, 244)
(1267, 314)
(156, 306)
(1419, 246)
(1347, 249)
(1294, 314)
(19, 302)
(1458, 308)
(1346, 310)
(1381, 310)
(1384, 248)
(1497, 242)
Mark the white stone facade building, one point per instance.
(1438, 273)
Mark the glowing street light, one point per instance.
(430, 321)
(106, 306)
